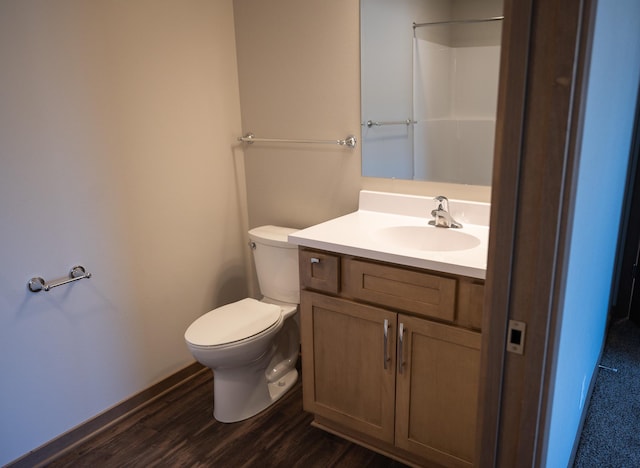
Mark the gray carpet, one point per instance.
(611, 433)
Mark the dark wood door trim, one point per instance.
(537, 138)
(506, 172)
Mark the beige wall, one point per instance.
(293, 59)
(117, 127)
(299, 76)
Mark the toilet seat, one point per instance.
(233, 322)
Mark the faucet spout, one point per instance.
(441, 216)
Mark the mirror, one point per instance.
(429, 88)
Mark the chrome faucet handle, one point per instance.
(454, 224)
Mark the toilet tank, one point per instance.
(276, 263)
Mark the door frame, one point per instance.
(545, 59)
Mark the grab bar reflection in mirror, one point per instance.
(375, 123)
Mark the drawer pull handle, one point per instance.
(400, 344)
(386, 343)
(315, 260)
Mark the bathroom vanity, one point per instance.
(391, 335)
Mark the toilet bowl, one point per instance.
(252, 346)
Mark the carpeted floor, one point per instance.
(611, 433)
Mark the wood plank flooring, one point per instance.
(178, 430)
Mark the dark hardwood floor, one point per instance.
(178, 430)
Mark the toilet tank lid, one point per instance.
(272, 235)
(232, 322)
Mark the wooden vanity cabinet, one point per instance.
(389, 359)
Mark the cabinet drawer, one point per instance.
(319, 270)
(413, 291)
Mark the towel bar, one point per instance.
(38, 284)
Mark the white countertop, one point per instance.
(355, 234)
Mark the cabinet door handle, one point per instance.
(386, 343)
(400, 345)
(315, 260)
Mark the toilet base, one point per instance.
(241, 395)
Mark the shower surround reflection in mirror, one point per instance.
(429, 88)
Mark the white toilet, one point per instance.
(252, 346)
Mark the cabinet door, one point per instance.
(348, 366)
(437, 391)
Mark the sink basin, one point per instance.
(426, 238)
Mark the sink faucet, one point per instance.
(441, 215)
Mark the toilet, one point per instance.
(252, 346)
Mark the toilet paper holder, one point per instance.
(38, 284)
